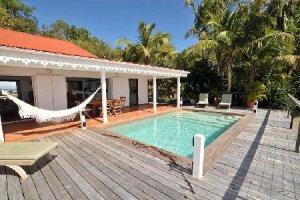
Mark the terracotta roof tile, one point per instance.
(22, 40)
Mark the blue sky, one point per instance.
(114, 19)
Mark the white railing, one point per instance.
(296, 103)
(82, 119)
(1, 132)
(198, 157)
(255, 107)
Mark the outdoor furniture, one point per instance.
(109, 108)
(225, 101)
(17, 154)
(95, 103)
(115, 107)
(120, 106)
(87, 109)
(203, 99)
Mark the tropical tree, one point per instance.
(286, 15)
(58, 29)
(252, 41)
(15, 15)
(150, 48)
(80, 36)
(221, 31)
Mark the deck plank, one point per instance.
(40, 183)
(3, 183)
(83, 184)
(94, 168)
(95, 188)
(135, 186)
(72, 188)
(14, 188)
(28, 186)
(54, 183)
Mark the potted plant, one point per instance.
(255, 92)
(214, 97)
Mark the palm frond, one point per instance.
(189, 3)
(123, 41)
(291, 60)
(207, 44)
(214, 23)
(273, 35)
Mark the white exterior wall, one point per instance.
(143, 90)
(120, 87)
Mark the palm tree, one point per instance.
(231, 29)
(286, 17)
(151, 48)
(271, 44)
(220, 31)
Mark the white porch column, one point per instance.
(1, 132)
(178, 92)
(104, 103)
(154, 94)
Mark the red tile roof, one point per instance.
(22, 40)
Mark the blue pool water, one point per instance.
(174, 131)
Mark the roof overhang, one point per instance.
(37, 59)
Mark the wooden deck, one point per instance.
(259, 164)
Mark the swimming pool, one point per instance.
(174, 131)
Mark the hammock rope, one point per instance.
(42, 115)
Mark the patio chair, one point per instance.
(109, 107)
(116, 107)
(203, 99)
(120, 107)
(87, 109)
(17, 154)
(226, 100)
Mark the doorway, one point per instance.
(18, 86)
(133, 92)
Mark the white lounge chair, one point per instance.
(226, 100)
(203, 99)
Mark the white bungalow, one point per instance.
(45, 70)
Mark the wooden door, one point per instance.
(133, 92)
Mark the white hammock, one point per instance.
(41, 115)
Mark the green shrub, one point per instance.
(277, 94)
(256, 91)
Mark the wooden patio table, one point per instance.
(95, 103)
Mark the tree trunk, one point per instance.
(228, 64)
(253, 74)
(219, 63)
(229, 77)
